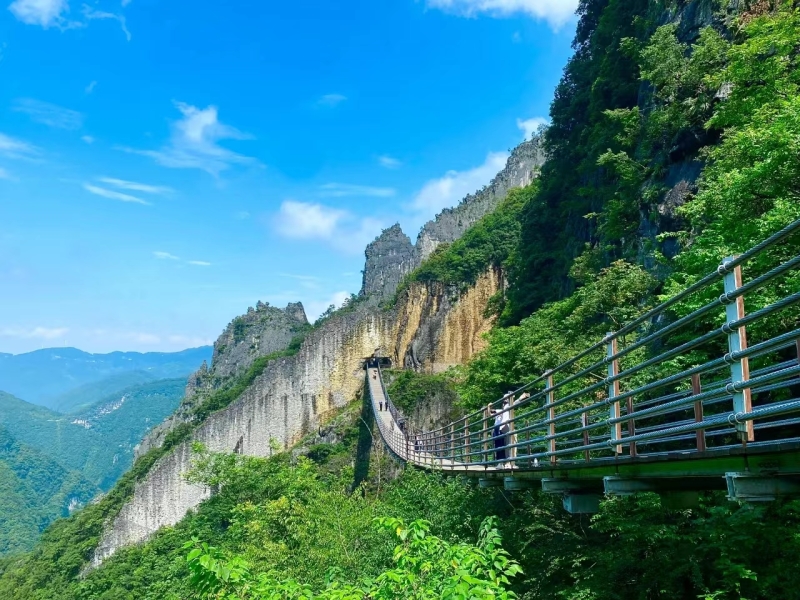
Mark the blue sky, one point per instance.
(164, 165)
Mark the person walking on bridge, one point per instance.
(502, 427)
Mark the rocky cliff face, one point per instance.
(391, 256)
(430, 327)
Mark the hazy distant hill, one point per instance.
(84, 396)
(50, 377)
(98, 440)
(34, 491)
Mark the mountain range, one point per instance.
(64, 379)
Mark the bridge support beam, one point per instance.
(580, 496)
(581, 504)
(751, 487)
(516, 484)
(625, 486)
(486, 482)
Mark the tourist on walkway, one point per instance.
(502, 427)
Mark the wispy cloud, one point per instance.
(450, 189)
(112, 195)
(242, 215)
(389, 162)
(336, 227)
(14, 148)
(90, 14)
(136, 187)
(194, 143)
(531, 126)
(5, 174)
(88, 139)
(90, 88)
(44, 333)
(331, 100)
(165, 256)
(46, 13)
(48, 114)
(199, 263)
(555, 12)
(339, 190)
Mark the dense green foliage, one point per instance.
(409, 389)
(98, 441)
(601, 76)
(294, 522)
(34, 491)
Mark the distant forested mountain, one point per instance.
(34, 491)
(66, 378)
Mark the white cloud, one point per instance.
(49, 114)
(450, 190)
(315, 307)
(335, 227)
(303, 220)
(555, 12)
(44, 333)
(144, 338)
(92, 14)
(88, 139)
(14, 148)
(338, 190)
(194, 143)
(126, 2)
(112, 195)
(331, 100)
(389, 162)
(242, 215)
(47, 13)
(199, 263)
(137, 187)
(165, 256)
(531, 126)
(90, 88)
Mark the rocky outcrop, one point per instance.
(388, 259)
(391, 256)
(262, 330)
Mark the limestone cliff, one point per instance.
(430, 327)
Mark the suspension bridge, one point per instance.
(675, 405)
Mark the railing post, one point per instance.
(584, 423)
(698, 413)
(613, 391)
(551, 415)
(485, 436)
(737, 340)
(465, 451)
(631, 426)
(512, 437)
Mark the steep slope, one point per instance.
(34, 491)
(43, 376)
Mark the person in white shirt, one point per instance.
(502, 428)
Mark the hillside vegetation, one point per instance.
(599, 239)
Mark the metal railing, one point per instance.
(636, 393)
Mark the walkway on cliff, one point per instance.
(634, 413)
